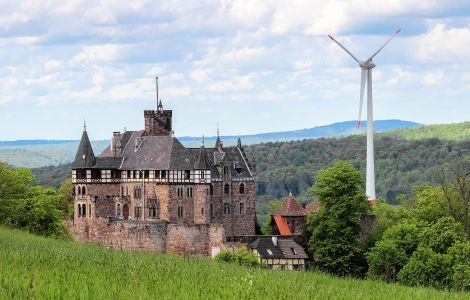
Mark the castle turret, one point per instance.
(85, 158)
(158, 122)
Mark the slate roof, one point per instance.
(290, 208)
(85, 158)
(140, 152)
(285, 248)
(202, 162)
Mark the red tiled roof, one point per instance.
(282, 225)
(312, 206)
(290, 207)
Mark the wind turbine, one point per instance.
(366, 75)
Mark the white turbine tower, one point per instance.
(366, 75)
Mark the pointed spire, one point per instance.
(202, 140)
(239, 143)
(218, 142)
(84, 125)
(156, 82)
(85, 158)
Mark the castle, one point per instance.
(147, 181)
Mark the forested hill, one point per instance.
(400, 164)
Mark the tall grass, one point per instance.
(33, 267)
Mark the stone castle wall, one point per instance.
(195, 240)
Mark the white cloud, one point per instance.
(432, 78)
(441, 44)
(97, 53)
(237, 84)
(52, 64)
(199, 75)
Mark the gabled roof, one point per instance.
(285, 248)
(290, 208)
(85, 158)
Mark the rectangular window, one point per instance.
(138, 212)
(152, 212)
(138, 192)
(226, 208)
(146, 174)
(242, 208)
(226, 170)
(157, 174)
(123, 191)
(212, 209)
(163, 174)
(136, 174)
(129, 174)
(180, 211)
(189, 192)
(187, 174)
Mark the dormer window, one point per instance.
(84, 155)
(269, 251)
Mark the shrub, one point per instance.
(246, 258)
(386, 260)
(225, 256)
(242, 257)
(427, 268)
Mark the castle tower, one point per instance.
(202, 209)
(158, 122)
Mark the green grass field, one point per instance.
(33, 267)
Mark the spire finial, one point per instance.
(84, 125)
(202, 140)
(156, 81)
(218, 133)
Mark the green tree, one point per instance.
(460, 254)
(66, 201)
(442, 235)
(335, 228)
(266, 228)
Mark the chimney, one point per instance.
(274, 238)
(116, 146)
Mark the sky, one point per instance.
(249, 66)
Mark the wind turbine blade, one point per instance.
(363, 85)
(344, 48)
(388, 41)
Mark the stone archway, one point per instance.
(125, 211)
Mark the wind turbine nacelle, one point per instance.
(366, 65)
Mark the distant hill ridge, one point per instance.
(335, 129)
(62, 152)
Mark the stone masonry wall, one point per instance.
(196, 240)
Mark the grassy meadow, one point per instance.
(33, 267)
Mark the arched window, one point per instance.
(118, 209)
(89, 210)
(79, 210)
(79, 190)
(83, 190)
(226, 188)
(242, 188)
(83, 210)
(212, 189)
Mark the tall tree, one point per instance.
(336, 227)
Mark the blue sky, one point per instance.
(251, 66)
